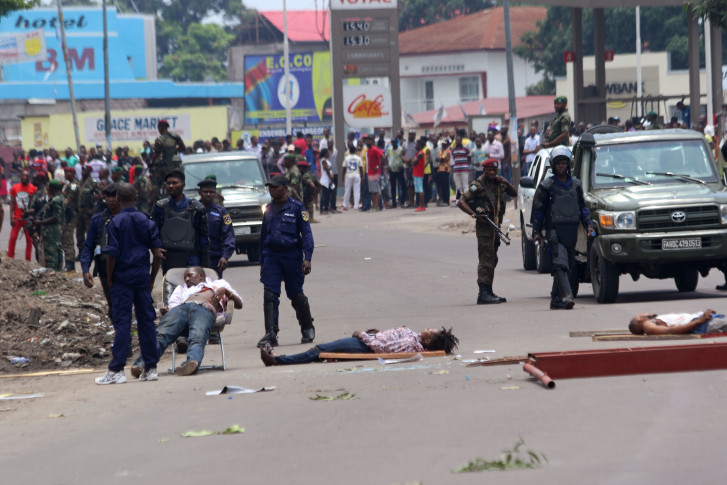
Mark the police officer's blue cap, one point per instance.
(207, 183)
(277, 181)
(177, 174)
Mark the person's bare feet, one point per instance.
(267, 355)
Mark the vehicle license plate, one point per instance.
(242, 230)
(686, 243)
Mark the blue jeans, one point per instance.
(350, 345)
(123, 298)
(175, 322)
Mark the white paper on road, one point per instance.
(238, 390)
(5, 397)
(483, 351)
(416, 358)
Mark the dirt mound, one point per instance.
(51, 319)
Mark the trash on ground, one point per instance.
(512, 459)
(7, 397)
(56, 416)
(483, 351)
(234, 429)
(238, 390)
(510, 388)
(341, 397)
(416, 358)
(440, 372)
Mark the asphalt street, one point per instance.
(407, 423)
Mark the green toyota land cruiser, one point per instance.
(658, 204)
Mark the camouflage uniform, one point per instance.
(143, 193)
(166, 146)
(71, 192)
(309, 195)
(88, 191)
(52, 233)
(561, 124)
(295, 184)
(490, 196)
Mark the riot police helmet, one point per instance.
(558, 153)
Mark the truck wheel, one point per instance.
(542, 258)
(604, 276)
(687, 280)
(253, 254)
(528, 249)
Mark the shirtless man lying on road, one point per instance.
(389, 341)
(678, 323)
(194, 307)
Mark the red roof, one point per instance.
(527, 107)
(483, 30)
(303, 25)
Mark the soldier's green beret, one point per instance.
(117, 170)
(55, 183)
(652, 113)
(560, 99)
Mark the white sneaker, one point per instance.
(111, 378)
(149, 375)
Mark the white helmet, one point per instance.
(558, 153)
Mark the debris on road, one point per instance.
(238, 390)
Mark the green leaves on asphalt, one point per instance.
(515, 458)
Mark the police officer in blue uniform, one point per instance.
(286, 248)
(182, 224)
(130, 237)
(221, 233)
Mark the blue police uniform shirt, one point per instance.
(221, 234)
(287, 228)
(95, 229)
(131, 234)
(202, 242)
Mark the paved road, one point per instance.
(409, 423)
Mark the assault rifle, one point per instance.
(481, 213)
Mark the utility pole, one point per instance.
(67, 59)
(288, 120)
(514, 142)
(107, 88)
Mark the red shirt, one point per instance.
(373, 160)
(300, 144)
(22, 194)
(420, 163)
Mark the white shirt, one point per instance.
(352, 163)
(182, 292)
(257, 150)
(325, 179)
(323, 144)
(674, 319)
(495, 150)
(531, 143)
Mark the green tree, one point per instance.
(662, 28)
(7, 6)
(199, 55)
(415, 13)
(714, 10)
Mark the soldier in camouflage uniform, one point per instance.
(143, 189)
(71, 192)
(37, 201)
(50, 221)
(294, 177)
(310, 188)
(88, 194)
(560, 128)
(487, 195)
(653, 121)
(165, 159)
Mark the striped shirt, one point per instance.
(395, 340)
(460, 157)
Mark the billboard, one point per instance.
(310, 88)
(129, 46)
(136, 127)
(23, 47)
(367, 106)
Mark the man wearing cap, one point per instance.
(653, 121)
(50, 221)
(560, 127)
(71, 191)
(487, 196)
(286, 249)
(167, 148)
(95, 240)
(221, 232)
(183, 227)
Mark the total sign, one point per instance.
(362, 4)
(367, 106)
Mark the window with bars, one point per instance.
(469, 88)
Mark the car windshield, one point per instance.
(229, 173)
(658, 162)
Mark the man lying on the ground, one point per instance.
(193, 307)
(678, 323)
(372, 341)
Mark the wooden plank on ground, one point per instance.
(591, 333)
(374, 356)
(51, 373)
(630, 336)
(502, 361)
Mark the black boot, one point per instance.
(501, 298)
(302, 311)
(486, 297)
(566, 295)
(271, 335)
(70, 266)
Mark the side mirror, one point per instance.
(527, 182)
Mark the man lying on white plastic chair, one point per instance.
(193, 308)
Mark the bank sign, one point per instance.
(135, 128)
(84, 35)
